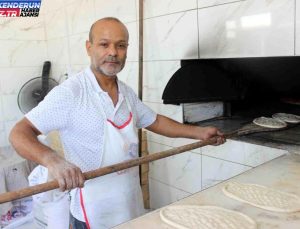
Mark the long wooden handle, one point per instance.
(14, 195)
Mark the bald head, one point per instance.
(104, 22)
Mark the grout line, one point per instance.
(201, 155)
(198, 34)
(295, 27)
(171, 147)
(163, 60)
(228, 161)
(168, 14)
(201, 170)
(170, 185)
(197, 8)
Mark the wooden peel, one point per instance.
(14, 195)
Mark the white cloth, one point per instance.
(50, 206)
(74, 109)
(115, 198)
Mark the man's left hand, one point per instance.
(205, 133)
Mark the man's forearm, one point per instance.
(171, 128)
(25, 142)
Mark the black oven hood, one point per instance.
(234, 79)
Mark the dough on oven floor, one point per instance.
(289, 118)
(262, 197)
(269, 122)
(205, 217)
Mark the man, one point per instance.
(96, 116)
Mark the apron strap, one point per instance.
(124, 124)
(83, 210)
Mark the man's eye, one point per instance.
(103, 45)
(122, 46)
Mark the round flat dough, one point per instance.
(269, 122)
(205, 217)
(262, 197)
(289, 118)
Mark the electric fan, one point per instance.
(35, 90)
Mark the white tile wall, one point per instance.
(162, 194)
(13, 78)
(172, 142)
(243, 153)
(125, 10)
(3, 139)
(2, 120)
(80, 16)
(247, 28)
(168, 110)
(32, 53)
(78, 54)
(132, 53)
(156, 77)
(11, 111)
(171, 37)
(182, 171)
(22, 53)
(216, 170)
(297, 27)
(56, 24)
(52, 5)
(58, 51)
(207, 3)
(22, 28)
(129, 75)
(8, 126)
(152, 9)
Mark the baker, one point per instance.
(97, 115)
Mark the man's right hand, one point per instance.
(68, 175)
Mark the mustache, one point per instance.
(112, 59)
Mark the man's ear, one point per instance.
(88, 47)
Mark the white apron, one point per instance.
(115, 198)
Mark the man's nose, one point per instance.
(112, 50)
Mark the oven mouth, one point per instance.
(234, 91)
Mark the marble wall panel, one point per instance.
(162, 194)
(169, 37)
(215, 170)
(182, 171)
(152, 9)
(247, 28)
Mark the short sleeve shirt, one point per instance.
(78, 108)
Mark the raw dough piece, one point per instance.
(269, 122)
(205, 217)
(289, 118)
(263, 197)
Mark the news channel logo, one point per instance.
(21, 8)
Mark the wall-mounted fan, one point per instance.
(34, 91)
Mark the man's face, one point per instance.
(109, 47)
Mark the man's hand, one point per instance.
(67, 174)
(205, 133)
(170, 128)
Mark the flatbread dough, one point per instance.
(269, 122)
(263, 197)
(289, 118)
(205, 217)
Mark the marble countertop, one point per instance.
(282, 173)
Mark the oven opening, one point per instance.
(230, 93)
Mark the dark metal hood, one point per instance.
(234, 79)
